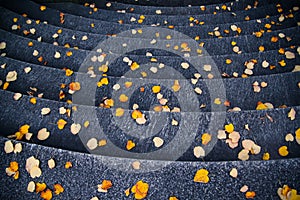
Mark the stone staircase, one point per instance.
(149, 99)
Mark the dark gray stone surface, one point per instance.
(181, 10)
(84, 24)
(179, 20)
(17, 48)
(80, 181)
(169, 169)
(48, 80)
(16, 113)
(224, 45)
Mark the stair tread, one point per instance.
(179, 20)
(84, 24)
(12, 50)
(18, 113)
(47, 32)
(48, 80)
(175, 179)
(172, 97)
(117, 6)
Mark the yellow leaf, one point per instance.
(69, 72)
(176, 86)
(68, 165)
(206, 138)
(201, 176)
(69, 53)
(282, 63)
(123, 98)
(32, 100)
(261, 48)
(128, 84)
(102, 143)
(19, 135)
(283, 151)
(42, 8)
(140, 190)
(229, 128)
(127, 192)
(109, 102)
(119, 112)
(217, 101)
(261, 106)
(297, 132)
(61, 124)
(16, 175)
(136, 114)
(103, 68)
(24, 129)
(266, 156)
(156, 89)
(157, 108)
(228, 61)
(5, 86)
(104, 81)
(86, 124)
(134, 66)
(130, 144)
(293, 195)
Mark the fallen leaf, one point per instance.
(43, 134)
(292, 114)
(206, 138)
(250, 194)
(51, 163)
(199, 152)
(130, 144)
(283, 151)
(201, 176)
(8, 147)
(68, 165)
(46, 195)
(140, 190)
(92, 143)
(243, 155)
(58, 188)
(61, 124)
(39, 187)
(156, 89)
(158, 142)
(31, 186)
(229, 128)
(233, 172)
(75, 128)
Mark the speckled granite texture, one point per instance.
(80, 181)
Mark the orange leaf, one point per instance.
(58, 189)
(46, 195)
(39, 187)
(106, 184)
